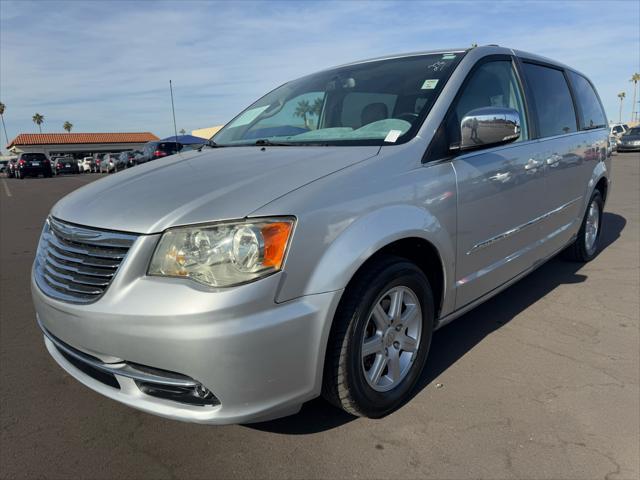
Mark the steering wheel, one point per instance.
(407, 116)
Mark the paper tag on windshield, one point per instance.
(448, 56)
(429, 84)
(392, 136)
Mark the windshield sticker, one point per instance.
(437, 66)
(249, 116)
(448, 56)
(429, 84)
(392, 136)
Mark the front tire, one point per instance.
(380, 338)
(587, 243)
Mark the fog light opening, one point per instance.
(203, 392)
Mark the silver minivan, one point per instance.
(316, 242)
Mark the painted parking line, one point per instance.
(6, 188)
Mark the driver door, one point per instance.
(501, 190)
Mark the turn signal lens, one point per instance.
(276, 235)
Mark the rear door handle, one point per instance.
(532, 164)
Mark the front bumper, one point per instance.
(260, 359)
(38, 170)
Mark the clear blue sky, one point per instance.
(105, 66)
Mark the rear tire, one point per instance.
(377, 383)
(587, 244)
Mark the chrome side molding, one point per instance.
(520, 228)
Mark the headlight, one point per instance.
(223, 254)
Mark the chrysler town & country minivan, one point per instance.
(316, 242)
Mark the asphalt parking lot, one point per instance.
(539, 382)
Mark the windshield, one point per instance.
(634, 131)
(371, 103)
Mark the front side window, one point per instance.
(492, 84)
(591, 113)
(370, 103)
(552, 100)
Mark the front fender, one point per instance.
(373, 231)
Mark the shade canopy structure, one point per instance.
(184, 139)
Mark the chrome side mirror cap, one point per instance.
(489, 126)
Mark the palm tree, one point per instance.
(621, 96)
(316, 108)
(182, 131)
(38, 120)
(67, 126)
(302, 110)
(635, 78)
(2, 108)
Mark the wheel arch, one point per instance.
(420, 252)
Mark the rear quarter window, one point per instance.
(552, 100)
(591, 113)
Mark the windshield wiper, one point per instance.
(263, 142)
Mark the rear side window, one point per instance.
(591, 114)
(552, 100)
(33, 156)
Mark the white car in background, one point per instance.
(615, 132)
(85, 165)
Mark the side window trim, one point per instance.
(429, 156)
(530, 106)
(577, 108)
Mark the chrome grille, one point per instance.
(76, 264)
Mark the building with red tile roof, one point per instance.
(79, 144)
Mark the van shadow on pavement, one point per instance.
(450, 343)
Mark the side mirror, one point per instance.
(489, 126)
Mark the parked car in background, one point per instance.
(32, 165)
(65, 165)
(615, 132)
(319, 258)
(95, 162)
(85, 164)
(127, 159)
(11, 167)
(138, 158)
(618, 129)
(110, 163)
(158, 149)
(4, 166)
(630, 140)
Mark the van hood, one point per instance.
(197, 187)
